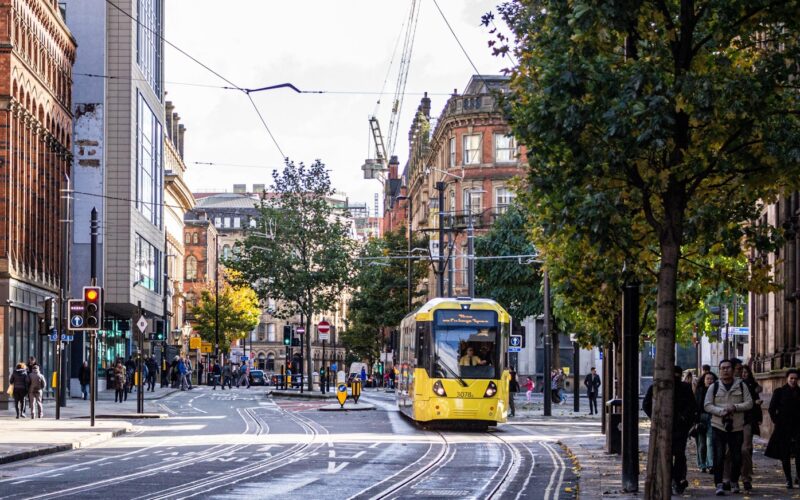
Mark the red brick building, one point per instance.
(37, 53)
(471, 150)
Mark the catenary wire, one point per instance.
(478, 73)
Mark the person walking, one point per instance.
(554, 387)
(244, 376)
(130, 368)
(703, 435)
(84, 378)
(182, 371)
(200, 370)
(120, 382)
(784, 410)
(227, 375)
(189, 371)
(562, 377)
(36, 386)
(216, 372)
(592, 383)
(513, 388)
(727, 401)
(684, 416)
(152, 373)
(752, 427)
(528, 389)
(19, 383)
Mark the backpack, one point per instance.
(36, 382)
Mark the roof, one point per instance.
(478, 84)
(425, 313)
(226, 200)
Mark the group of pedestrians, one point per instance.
(227, 374)
(27, 384)
(723, 414)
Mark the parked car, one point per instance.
(277, 380)
(257, 377)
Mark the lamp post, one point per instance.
(216, 298)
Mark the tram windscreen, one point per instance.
(466, 344)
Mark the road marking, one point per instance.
(333, 468)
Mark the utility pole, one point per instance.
(630, 387)
(576, 376)
(302, 353)
(61, 358)
(409, 265)
(167, 326)
(546, 346)
(139, 364)
(216, 297)
(440, 283)
(92, 333)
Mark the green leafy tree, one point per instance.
(380, 292)
(657, 128)
(301, 253)
(238, 314)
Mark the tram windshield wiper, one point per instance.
(450, 370)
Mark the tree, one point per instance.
(238, 314)
(658, 128)
(380, 291)
(305, 263)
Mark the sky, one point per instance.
(343, 47)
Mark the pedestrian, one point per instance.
(727, 400)
(19, 383)
(200, 370)
(689, 378)
(528, 389)
(189, 371)
(363, 376)
(182, 370)
(684, 416)
(130, 368)
(392, 376)
(152, 373)
(120, 391)
(244, 376)
(174, 375)
(703, 435)
(216, 372)
(513, 388)
(592, 383)
(784, 410)
(227, 374)
(562, 377)
(84, 378)
(752, 427)
(36, 387)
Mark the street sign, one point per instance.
(515, 341)
(67, 338)
(206, 347)
(323, 329)
(738, 330)
(341, 394)
(141, 324)
(300, 330)
(244, 358)
(76, 308)
(195, 343)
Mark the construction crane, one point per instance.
(375, 168)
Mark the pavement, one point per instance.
(599, 473)
(26, 438)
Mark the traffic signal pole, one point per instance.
(92, 333)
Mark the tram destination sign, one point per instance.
(466, 318)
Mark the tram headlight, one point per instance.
(438, 388)
(491, 390)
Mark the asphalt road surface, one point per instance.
(242, 444)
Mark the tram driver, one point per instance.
(470, 359)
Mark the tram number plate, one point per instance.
(465, 395)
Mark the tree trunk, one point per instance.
(555, 354)
(658, 483)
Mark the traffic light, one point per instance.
(287, 334)
(93, 311)
(46, 318)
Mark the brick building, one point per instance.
(36, 60)
(472, 152)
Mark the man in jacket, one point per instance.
(727, 401)
(84, 377)
(36, 386)
(182, 371)
(19, 381)
(684, 415)
(592, 383)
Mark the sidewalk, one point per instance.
(600, 473)
(25, 437)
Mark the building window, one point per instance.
(271, 332)
(451, 207)
(262, 332)
(472, 149)
(227, 222)
(148, 264)
(188, 238)
(149, 163)
(191, 268)
(148, 42)
(452, 151)
(270, 362)
(191, 300)
(505, 148)
(195, 238)
(237, 222)
(503, 197)
(217, 221)
(226, 252)
(473, 200)
(253, 223)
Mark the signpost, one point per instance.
(515, 343)
(324, 330)
(341, 393)
(141, 324)
(76, 308)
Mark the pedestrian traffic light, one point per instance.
(287, 334)
(93, 310)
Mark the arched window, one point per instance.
(188, 238)
(191, 268)
(270, 362)
(226, 252)
(195, 239)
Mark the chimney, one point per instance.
(181, 132)
(240, 188)
(176, 119)
(394, 163)
(169, 107)
(259, 188)
(425, 106)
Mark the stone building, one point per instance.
(472, 153)
(35, 157)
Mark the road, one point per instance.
(242, 444)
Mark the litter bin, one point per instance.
(614, 426)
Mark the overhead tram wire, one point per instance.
(478, 73)
(207, 68)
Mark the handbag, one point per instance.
(10, 390)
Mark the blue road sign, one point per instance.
(245, 358)
(76, 321)
(53, 337)
(514, 349)
(67, 338)
(515, 343)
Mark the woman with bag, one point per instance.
(784, 410)
(702, 431)
(119, 382)
(19, 387)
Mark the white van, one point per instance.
(355, 370)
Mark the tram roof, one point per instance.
(425, 313)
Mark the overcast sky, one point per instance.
(344, 47)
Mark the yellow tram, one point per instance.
(451, 362)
